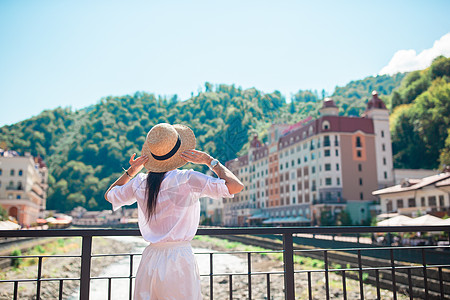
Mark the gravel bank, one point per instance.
(266, 263)
(61, 268)
(70, 268)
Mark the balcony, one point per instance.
(332, 200)
(14, 188)
(421, 271)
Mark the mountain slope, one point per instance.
(86, 149)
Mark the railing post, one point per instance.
(288, 260)
(85, 277)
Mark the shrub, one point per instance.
(16, 261)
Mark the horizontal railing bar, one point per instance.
(204, 275)
(37, 256)
(200, 253)
(373, 268)
(35, 280)
(246, 273)
(226, 231)
(120, 254)
(242, 252)
(374, 248)
(243, 274)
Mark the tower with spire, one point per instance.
(377, 111)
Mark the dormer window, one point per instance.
(326, 125)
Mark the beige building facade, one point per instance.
(313, 166)
(414, 197)
(23, 186)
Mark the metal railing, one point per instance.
(419, 271)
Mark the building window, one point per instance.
(1, 172)
(326, 153)
(282, 189)
(328, 181)
(441, 200)
(281, 167)
(10, 196)
(326, 141)
(337, 167)
(299, 173)
(383, 147)
(384, 160)
(20, 172)
(18, 196)
(360, 181)
(313, 169)
(411, 202)
(358, 153)
(292, 162)
(293, 200)
(293, 187)
(389, 206)
(338, 181)
(287, 165)
(327, 167)
(299, 161)
(432, 201)
(382, 133)
(385, 175)
(399, 203)
(336, 152)
(422, 201)
(281, 178)
(358, 142)
(287, 176)
(299, 186)
(11, 172)
(361, 196)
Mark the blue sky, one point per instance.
(73, 53)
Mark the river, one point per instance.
(223, 263)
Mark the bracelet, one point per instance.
(126, 172)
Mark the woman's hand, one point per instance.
(137, 164)
(196, 157)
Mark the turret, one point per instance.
(329, 108)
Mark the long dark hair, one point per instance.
(152, 189)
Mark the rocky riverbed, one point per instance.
(65, 267)
(61, 267)
(264, 263)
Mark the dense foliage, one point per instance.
(86, 149)
(420, 119)
(352, 98)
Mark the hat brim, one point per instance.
(188, 141)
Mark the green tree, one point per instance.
(3, 214)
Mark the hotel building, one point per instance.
(327, 164)
(23, 186)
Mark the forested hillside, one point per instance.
(352, 98)
(420, 120)
(86, 149)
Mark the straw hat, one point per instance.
(163, 146)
